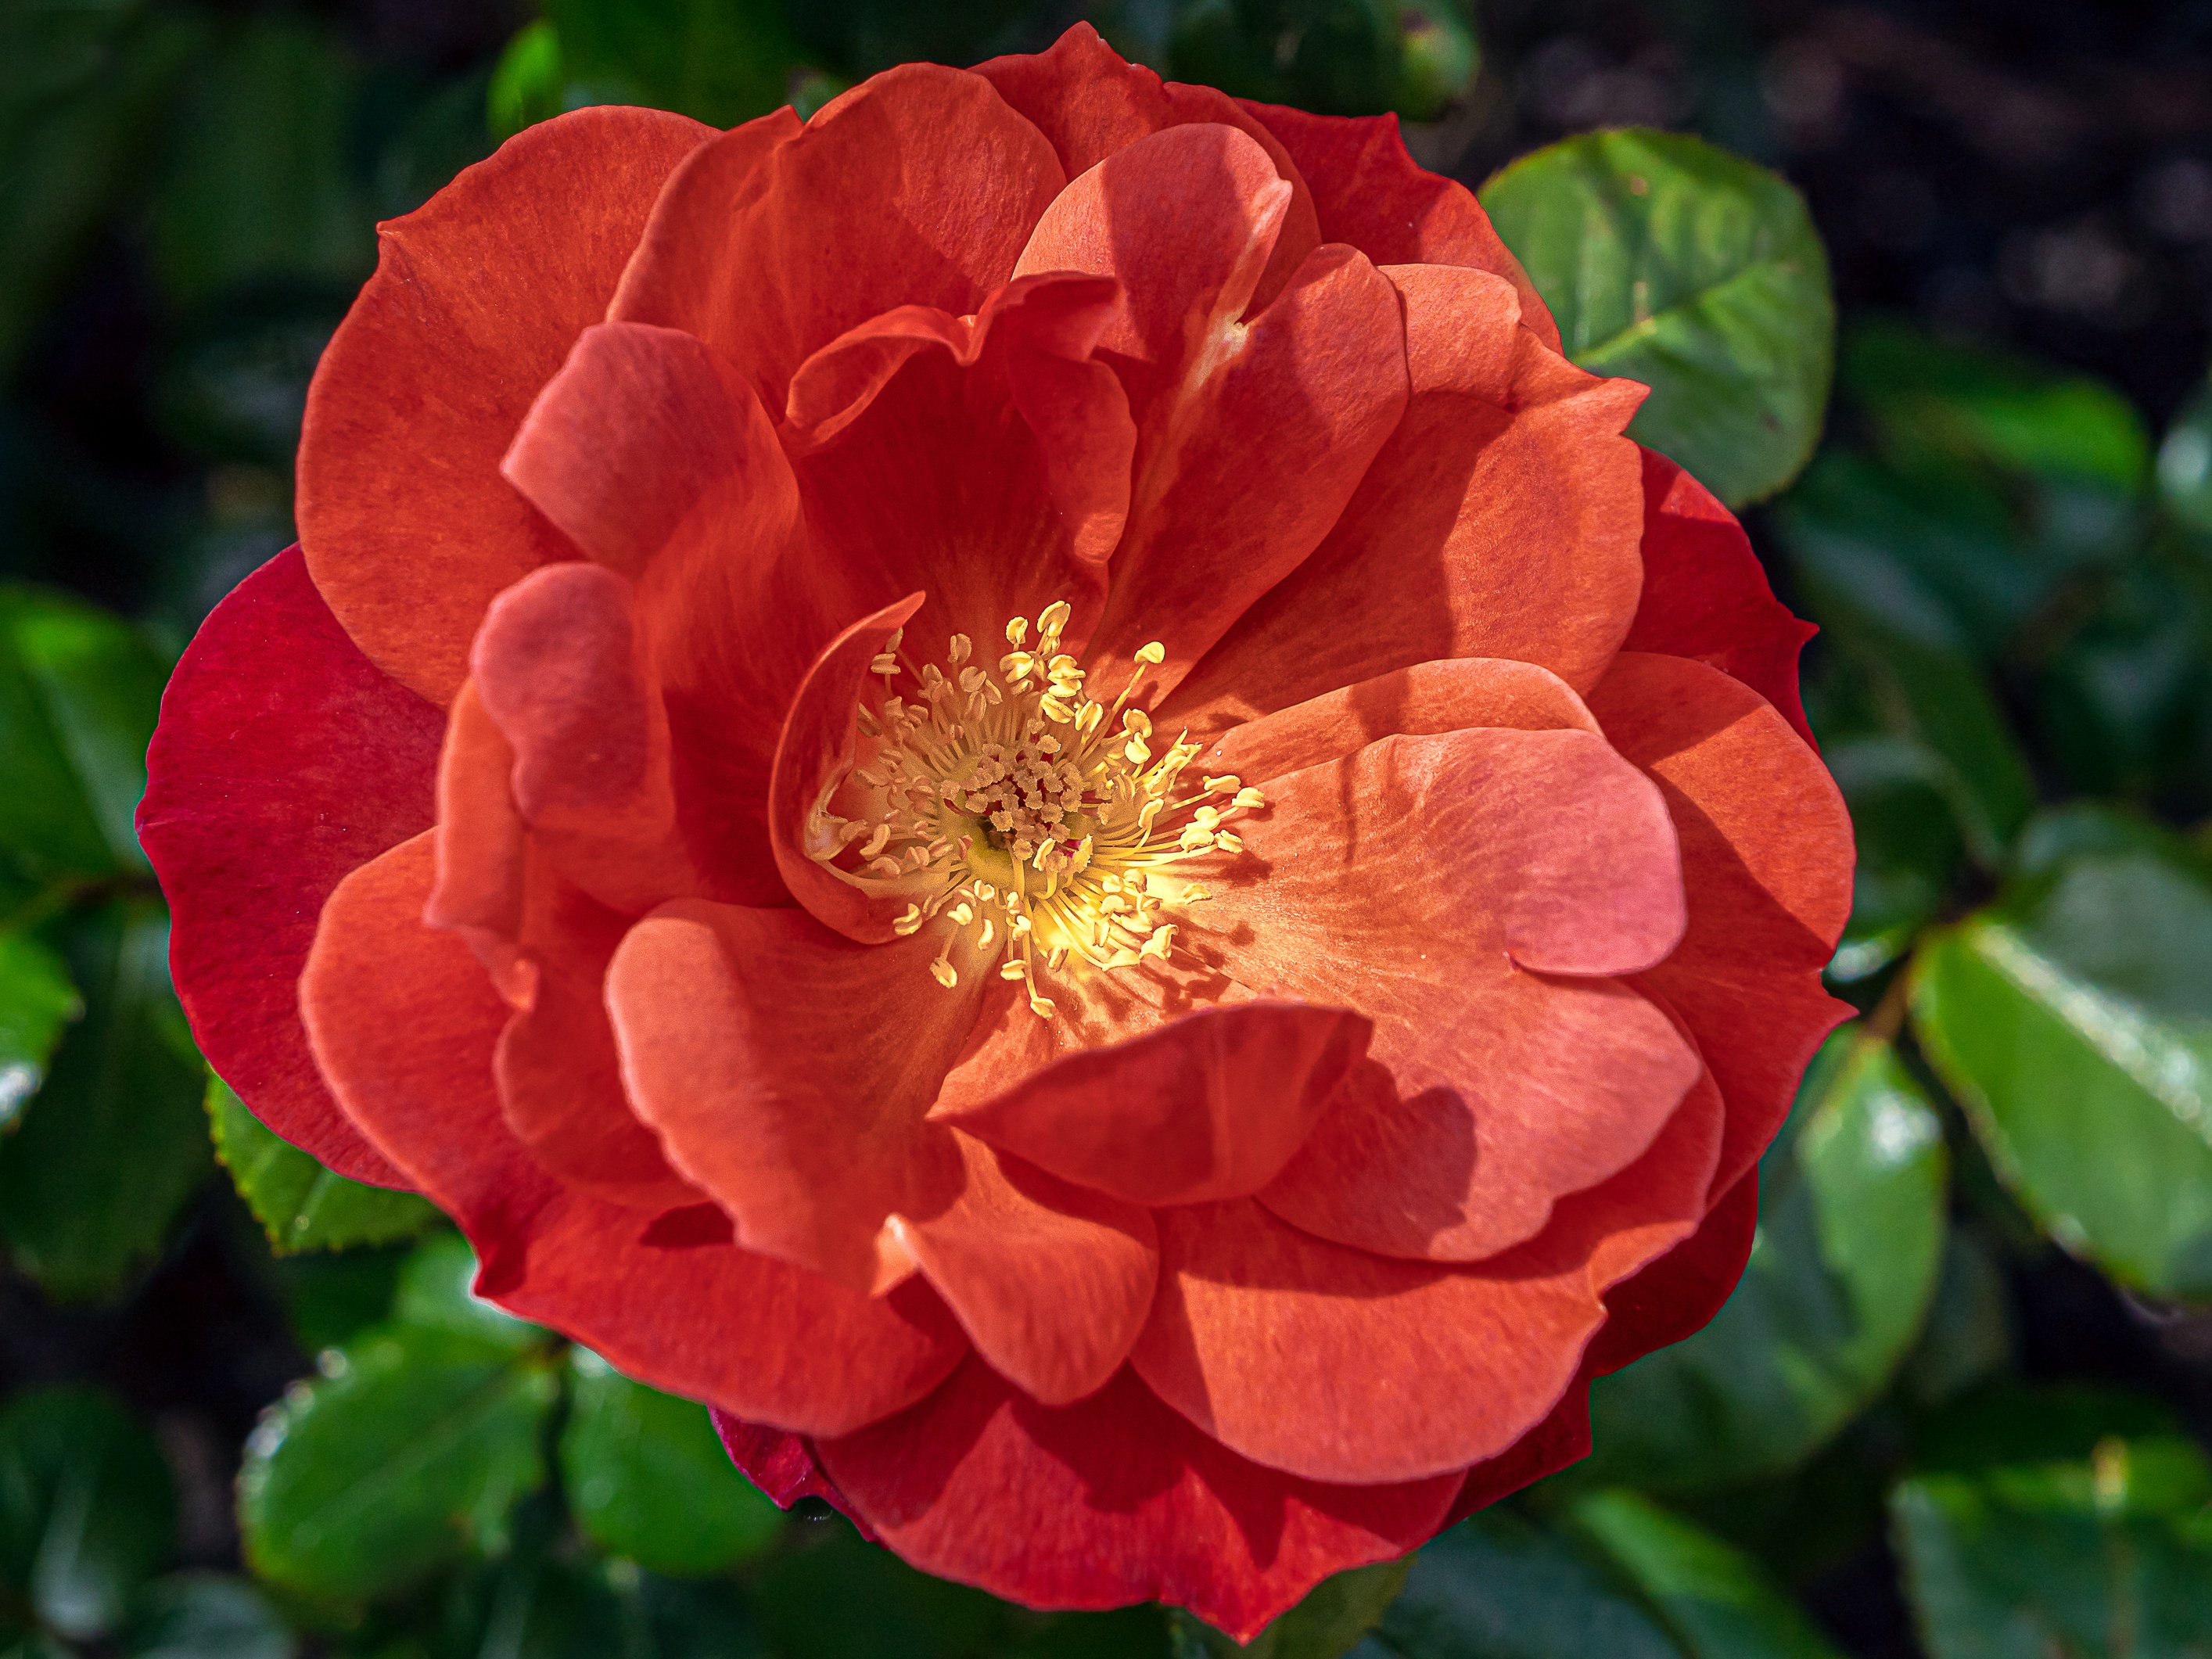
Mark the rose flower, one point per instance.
(1016, 782)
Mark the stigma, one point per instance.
(1039, 821)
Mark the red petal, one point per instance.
(1426, 699)
(1369, 192)
(1089, 103)
(1112, 1501)
(404, 1023)
(482, 843)
(563, 668)
(1341, 1365)
(917, 187)
(1677, 1294)
(1767, 860)
(1209, 1107)
(282, 760)
(408, 528)
(783, 1466)
(1052, 1283)
(1501, 519)
(787, 1071)
(1563, 1437)
(1406, 882)
(1705, 594)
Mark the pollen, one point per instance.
(1040, 823)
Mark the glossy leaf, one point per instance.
(87, 1511)
(1717, 1602)
(299, 1203)
(2074, 1026)
(110, 1148)
(412, 1446)
(436, 1293)
(205, 1615)
(648, 1480)
(37, 1003)
(2107, 1558)
(1671, 262)
(332, 1298)
(79, 691)
(1852, 1216)
(1498, 1588)
(1335, 1615)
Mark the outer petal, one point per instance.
(1115, 1500)
(1767, 860)
(1052, 1282)
(1340, 1365)
(1406, 882)
(283, 760)
(1090, 103)
(1676, 1295)
(1705, 595)
(787, 1071)
(917, 187)
(404, 1023)
(1501, 519)
(409, 529)
(1368, 192)
(783, 1466)
(1250, 437)
(1209, 1107)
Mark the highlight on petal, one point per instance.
(1114, 1500)
(1210, 1106)
(1766, 863)
(776, 238)
(408, 526)
(284, 760)
(405, 1025)
(1051, 1282)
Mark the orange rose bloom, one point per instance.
(1016, 782)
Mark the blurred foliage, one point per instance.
(2013, 689)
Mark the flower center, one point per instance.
(1010, 801)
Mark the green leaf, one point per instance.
(836, 1596)
(1678, 264)
(412, 1446)
(436, 1293)
(719, 61)
(81, 85)
(1718, 1604)
(2109, 1558)
(257, 190)
(649, 1481)
(299, 1203)
(527, 83)
(79, 692)
(2011, 1422)
(204, 1615)
(1340, 57)
(1498, 1588)
(2185, 463)
(1968, 1335)
(1852, 1215)
(87, 1512)
(1329, 1622)
(112, 1147)
(37, 1001)
(2074, 1026)
(1908, 845)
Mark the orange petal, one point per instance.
(1705, 594)
(787, 1071)
(1369, 192)
(1089, 102)
(1424, 700)
(1406, 882)
(1502, 519)
(283, 760)
(1767, 862)
(1340, 1365)
(481, 841)
(404, 1023)
(1211, 1106)
(917, 187)
(1051, 1283)
(477, 296)
(1112, 1501)
(563, 668)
